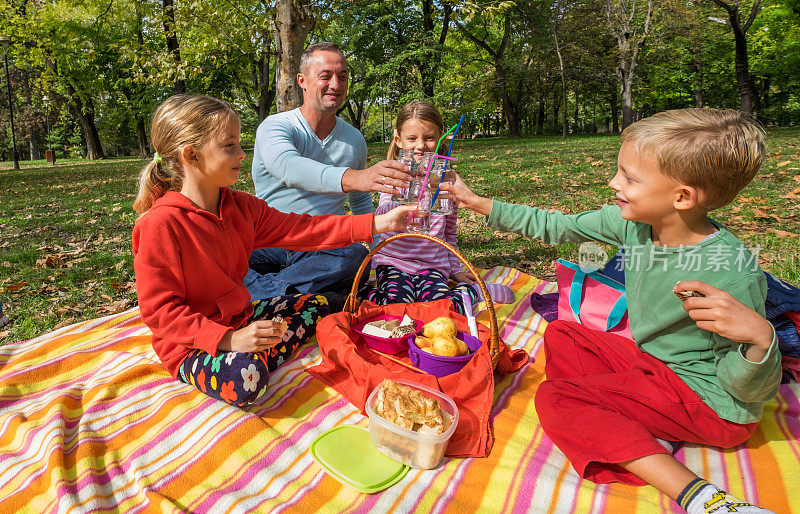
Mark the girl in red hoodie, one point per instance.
(191, 245)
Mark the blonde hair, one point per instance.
(417, 110)
(717, 151)
(179, 121)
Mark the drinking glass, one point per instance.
(443, 204)
(421, 218)
(406, 157)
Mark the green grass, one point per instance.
(65, 244)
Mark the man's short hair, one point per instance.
(717, 151)
(322, 46)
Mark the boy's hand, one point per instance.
(259, 335)
(464, 197)
(721, 313)
(394, 220)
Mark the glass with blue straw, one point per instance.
(445, 207)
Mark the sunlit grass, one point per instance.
(65, 249)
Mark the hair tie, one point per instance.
(157, 158)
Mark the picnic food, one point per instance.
(439, 338)
(279, 319)
(685, 295)
(389, 328)
(409, 408)
(413, 410)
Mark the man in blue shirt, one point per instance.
(308, 161)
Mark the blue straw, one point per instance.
(444, 173)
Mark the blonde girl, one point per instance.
(416, 270)
(191, 246)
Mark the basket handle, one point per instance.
(351, 302)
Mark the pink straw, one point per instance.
(425, 182)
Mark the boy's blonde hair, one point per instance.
(416, 110)
(717, 151)
(179, 121)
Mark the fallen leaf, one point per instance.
(758, 213)
(14, 286)
(781, 233)
(784, 163)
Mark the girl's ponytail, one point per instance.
(179, 121)
(391, 155)
(155, 180)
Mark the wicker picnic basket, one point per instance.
(351, 303)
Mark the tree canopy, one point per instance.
(85, 75)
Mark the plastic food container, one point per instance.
(439, 366)
(385, 344)
(420, 451)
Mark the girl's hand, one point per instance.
(463, 276)
(259, 335)
(721, 313)
(464, 197)
(393, 221)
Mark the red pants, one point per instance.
(604, 401)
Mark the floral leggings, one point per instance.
(241, 378)
(395, 286)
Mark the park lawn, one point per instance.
(65, 245)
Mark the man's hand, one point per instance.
(259, 335)
(384, 177)
(394, 220)
(721, 313)
(464, 197)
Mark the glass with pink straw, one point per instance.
(419, 220)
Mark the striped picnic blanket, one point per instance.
(89, 421)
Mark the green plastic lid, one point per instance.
(346, 454)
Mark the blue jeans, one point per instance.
(276, 271)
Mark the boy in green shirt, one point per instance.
(699, 370)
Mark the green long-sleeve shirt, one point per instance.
(713, 366)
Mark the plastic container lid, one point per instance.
(346, 454)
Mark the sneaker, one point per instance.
(4, 320)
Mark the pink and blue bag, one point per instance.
(591, 299)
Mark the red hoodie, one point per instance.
(190, 264)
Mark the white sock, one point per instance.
(701, 497)
(670, 446)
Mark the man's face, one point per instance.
(324, 82)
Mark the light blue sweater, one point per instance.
(294, 171)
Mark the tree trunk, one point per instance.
(748, 96)
(94, 148)
(510, 109)
(697, 67)
(33, 145)
(141, 136)
(630, 40)
(540, 118)
(172, 45)
(577, 113)
(614, 111)
(564, 127)
(265, 87)
(627, 101)
(556, 105)
(294, 20)
(429, 67)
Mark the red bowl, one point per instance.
(386, 344)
